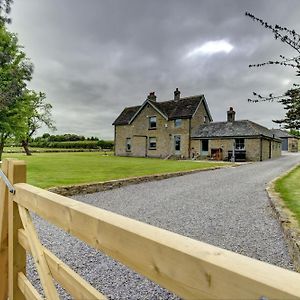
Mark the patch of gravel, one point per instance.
(228, 208)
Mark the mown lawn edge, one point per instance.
(288, 222)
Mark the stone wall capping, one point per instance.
(90, 188)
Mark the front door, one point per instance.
(204, 148)
(177, 144)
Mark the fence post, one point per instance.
(4, 235)
(16, 253)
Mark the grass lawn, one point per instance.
(289, 189)
(55, 169)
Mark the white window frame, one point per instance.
(154, 140)
(150, 122)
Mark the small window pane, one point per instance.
(152, 122)
(128, 144)
(178, 122)
(152, 143)
(177, 140)
(239, 144)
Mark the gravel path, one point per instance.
(227, 207)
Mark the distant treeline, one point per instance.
(69, 141)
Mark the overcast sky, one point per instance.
(92, 58)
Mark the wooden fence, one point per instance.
(189, 268)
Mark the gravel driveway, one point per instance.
(227, 207)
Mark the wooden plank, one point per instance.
(4, 235)
(189, 268)
(38, 255)
(27, 288)
(76, 286)
(16, 254)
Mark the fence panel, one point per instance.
(189, 268)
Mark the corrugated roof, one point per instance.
(242, 128)
(183, 108)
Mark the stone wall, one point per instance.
(113, 184)
(225, 144)
(252, 147)
(293, 144)
(276, 149)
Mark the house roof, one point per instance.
(282, 133)
(242, 128)
(183, 108)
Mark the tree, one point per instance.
(15, 68)
(35, 114)
(21, 111)
(12, 122)
(290, 99)
(5, 6)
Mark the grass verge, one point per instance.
(57, 169)
(289, 189)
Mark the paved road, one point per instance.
(228, 208)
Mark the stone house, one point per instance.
(183, 127)
(242, 139)
(289, 142)
(160, 129)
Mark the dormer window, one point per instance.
(177, 123)
(152, 122)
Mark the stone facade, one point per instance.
(256, 148)
(140, 134)
(293, 144)
(183, 127)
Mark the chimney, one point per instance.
(152, 97)
(176, 95)
(230, 115)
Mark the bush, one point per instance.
(42, 143)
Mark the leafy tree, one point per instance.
(21, 111)
(295, 132)
(12, 122)
(36, 113)
(15, 68)
(291, 98)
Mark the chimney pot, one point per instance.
(152, 96)
(230, 115)
(176, 95)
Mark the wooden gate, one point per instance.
(189, 268)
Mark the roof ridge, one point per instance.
(183, 98)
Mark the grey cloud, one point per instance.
(94, 57)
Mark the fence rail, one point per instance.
(189, 268)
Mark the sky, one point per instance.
(93, 58)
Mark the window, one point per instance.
(128, 144)
(239, 144)
(177, 123)
(152, 143)
(177, 142)
(152, 122)
(205, 119)
(205, 145)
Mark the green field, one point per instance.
(56, 169)
(289, 189)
